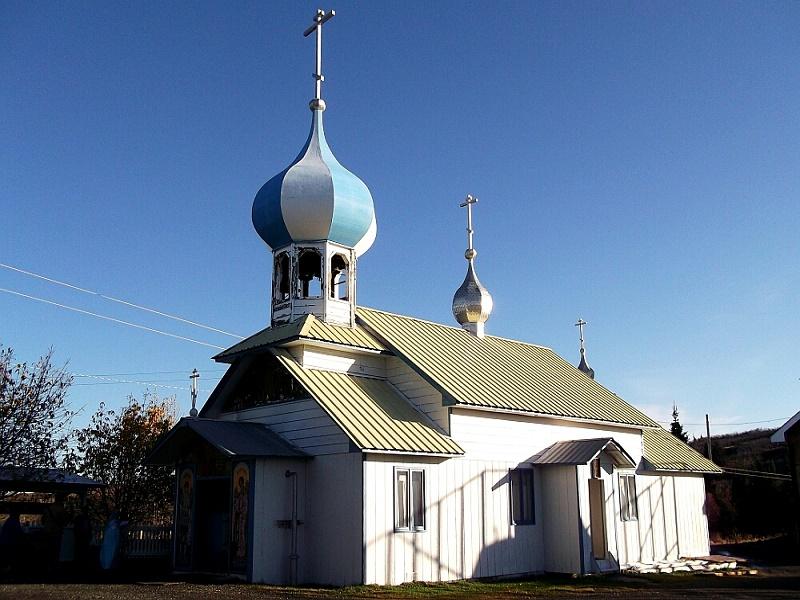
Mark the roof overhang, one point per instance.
(231, 439)
(582, 452)
(22, 479)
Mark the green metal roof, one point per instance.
(306, 328)
(664, 452)
(372, 414)
(498, 373)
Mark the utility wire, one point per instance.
(119, 301)
(128, 323)
(757, 474)
(149, 373)
(727, 424)
(110, 381)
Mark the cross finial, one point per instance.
(471, 253)
(319, 19)
(580, 325)
(193, 378)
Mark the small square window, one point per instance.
(521, 492)
(629, 510)
(409, 500)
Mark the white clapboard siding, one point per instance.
(331, 359)
(272, 509)
(690, 498)
(333, 551)
(468, 531)
(518, 437)
(560, 519)
(300, 422)
(421, 394)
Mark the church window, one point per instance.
(521, 493)
(265, 381)
(409, 503)
(309, 273)
(629, 511)
(339, 277)
(282, 277)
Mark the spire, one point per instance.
(583, 366)
(319, 19)
(472, 303)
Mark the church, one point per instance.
(349, 445)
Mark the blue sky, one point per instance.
(637, 164)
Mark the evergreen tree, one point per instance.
(676, 428)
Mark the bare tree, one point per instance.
(34, 415)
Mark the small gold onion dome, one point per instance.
(472, 303)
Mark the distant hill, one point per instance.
(741, 506)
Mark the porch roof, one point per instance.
(230, 438)
(581, 452)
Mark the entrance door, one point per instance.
(212, 523)
(597, 518)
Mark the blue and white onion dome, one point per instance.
(315, 199)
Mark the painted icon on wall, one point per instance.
(241, 497)
(185, 519)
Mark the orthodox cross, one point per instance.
(468, 202)
(319, 19)
(193, 378)
(580, 325)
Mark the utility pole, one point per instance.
(708, 439)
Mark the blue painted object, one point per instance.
(315, 198)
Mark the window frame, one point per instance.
(628, 504)
(411, 526)
(512, 491)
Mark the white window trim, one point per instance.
(412, 526)
(624, 494)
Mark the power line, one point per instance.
(757, 474)
(727, 424)
(128, 323)
(148, 373)
(111, 381)
(119, 301)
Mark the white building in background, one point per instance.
(349, 445)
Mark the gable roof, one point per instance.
(581, 452)
(664, 452)
(229, 438)
(370, 411)
(779, 437)
(306, 328)
(498, 373)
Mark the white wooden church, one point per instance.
(350, 445)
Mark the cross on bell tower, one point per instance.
(583, 366)
(320, 19)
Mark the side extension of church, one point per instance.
(349, 445)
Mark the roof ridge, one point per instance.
(428, 321)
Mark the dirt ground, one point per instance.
(777, 563)
(774, 582)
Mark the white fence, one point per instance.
(148, 540)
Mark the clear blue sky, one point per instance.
(638, 165)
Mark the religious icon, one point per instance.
(183, 550)
(241, 489)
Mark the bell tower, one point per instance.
(318, 218)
